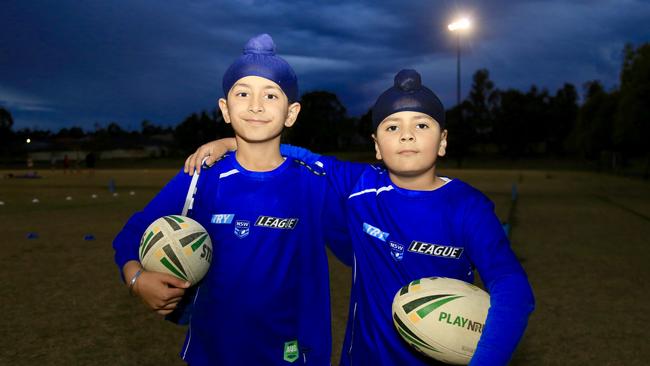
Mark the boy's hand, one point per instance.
(211, 151)
(160, 291)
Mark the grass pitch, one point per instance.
(582, 237)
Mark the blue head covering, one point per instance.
(408, 94)
(259, 59)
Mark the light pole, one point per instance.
(458, 26)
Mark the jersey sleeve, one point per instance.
(511, 297)
(335, 227)
(342, 175)
(168, 201)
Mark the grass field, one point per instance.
(582, 237)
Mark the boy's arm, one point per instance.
(211, 152)
(342, 174)
(335, 226)
(511, 297)
(160, 291)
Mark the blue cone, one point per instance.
(506, 228)
(89, 237)
(32, 235)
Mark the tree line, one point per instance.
(503, 122)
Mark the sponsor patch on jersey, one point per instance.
(277, 222)
(222, 218)
(435, 250)
(396, 251)
(242, 228)
(374, 232)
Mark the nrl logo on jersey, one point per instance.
(242, 228)
(276, 222)
(435, 250)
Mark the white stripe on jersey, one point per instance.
(230, 172)
(189, 331)
(376, 190)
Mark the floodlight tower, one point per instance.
(458, 26)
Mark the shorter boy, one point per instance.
(392, 211)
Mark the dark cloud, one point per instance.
(66, 63)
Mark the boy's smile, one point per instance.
(409, 144)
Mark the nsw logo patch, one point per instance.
(242, 228)
(374, 232)
(396, 251)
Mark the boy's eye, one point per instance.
(391, 128)
(271, 96)
(242, 94)
(422, 125)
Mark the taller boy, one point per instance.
(265, 299)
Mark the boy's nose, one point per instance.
(255, 106)
(407, 137)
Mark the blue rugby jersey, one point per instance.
(265, 299)
(391, 228)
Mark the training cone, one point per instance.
(2, 203)
(506, 228)
(93, 195)
(68, 198)
(35, 200)
(32, 235)
(89, 237)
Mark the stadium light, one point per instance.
(458, 26)
(28, 141)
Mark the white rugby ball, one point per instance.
(441, 317)
(176, 245)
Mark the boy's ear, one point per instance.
(377, 152)
(223, 105)
(292, 114)
(442, 150)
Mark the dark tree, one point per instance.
(462, 136)
(321, 123)
(6, 134)
(563, 112)
(594, 128)
(148, 129)
(510, 128)
(197, 129)
(480, 105)
(632, 121)
(364, 127)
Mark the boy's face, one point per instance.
(258, 109)
(409, 143)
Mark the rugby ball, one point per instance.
(176, 245)
(442, 318)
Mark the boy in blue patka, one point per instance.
(406, 223)
(265, 299)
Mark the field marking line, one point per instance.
(622, 207)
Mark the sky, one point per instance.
(71, 63)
